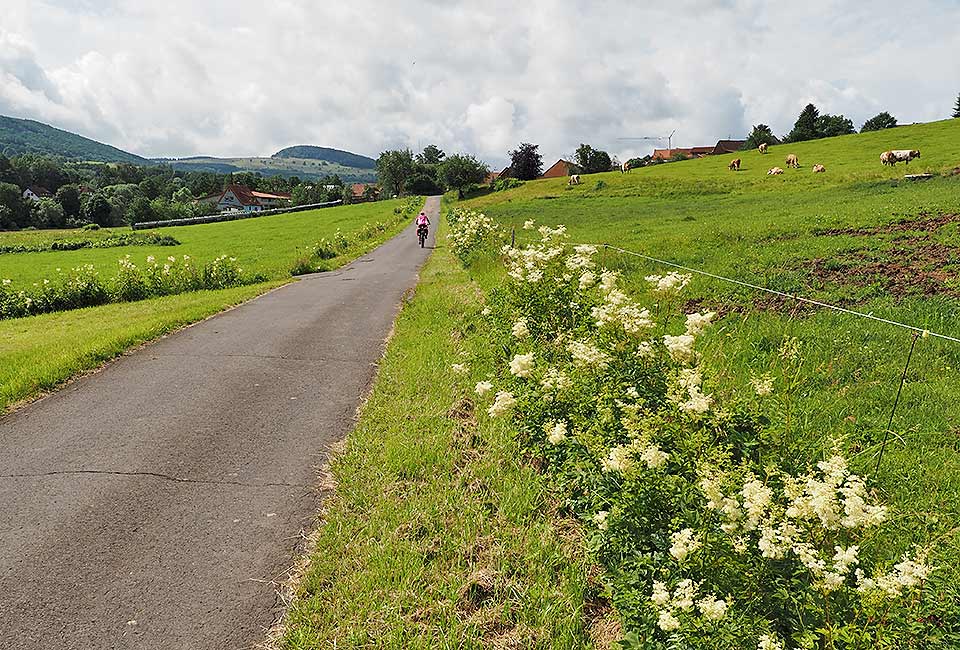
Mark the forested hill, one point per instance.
(18, 136)
(338, 156)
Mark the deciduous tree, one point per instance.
(460, 170)
(526, 161)
(761, 134)
(393, 169)
(879, 121)
(590, 160)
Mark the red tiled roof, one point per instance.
(244, 194)
(266, 195)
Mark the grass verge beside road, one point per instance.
(438, 534)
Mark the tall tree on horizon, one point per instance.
(956, 107)
(761, 134)
(526, 161)
(805, 128)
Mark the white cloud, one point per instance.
(241, 78)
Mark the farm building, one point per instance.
(240, 197)
(728, 146)
(365, 191)
(491, 178)
(560, 169)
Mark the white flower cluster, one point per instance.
(556, 432)
(618, 310)
(685, 599)
(688, 394)
(685, 542)
(810, 507)
(520, 329)
(600, 519)
(588, 355)
(762, 385)
(460, 368)
(582, 258)
(522, 365)
(555, 381)
(769, 642)
(620, 459)
(672, 282)
(483, 387)
(906, 574)
(469, 230)
(502, 404)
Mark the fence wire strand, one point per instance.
(918, 330)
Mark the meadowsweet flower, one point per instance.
(6, 282)
(661, 595)
(502, 404)
(528, 224)
(670, 283)
(556, 432)
(585, 354)
(522, 365)
(483, 387)
(485, 311)
(654, 457)
(684, 542)
(680, 347)
(618, 460)
(587, 280)
(600, 519)
(151, 259)
(769, 642)
(645, 350)
(763, 385)
(554, 379)
(460, 368)
(582, 257)
(712, 608)
(520, 329)
(667, 621)
(608, 281)
(698, 322)
(171, 259)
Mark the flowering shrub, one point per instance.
(715, 534)
(124, 239)
(83, 286)
(471, 233)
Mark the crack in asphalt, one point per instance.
(165, 477)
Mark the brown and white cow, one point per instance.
(819, 169)
(574, 179)
(774, 171)
(762, 148)
(734, 165)
(793, 161)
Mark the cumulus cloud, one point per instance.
(240, 78)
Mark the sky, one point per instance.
(245, 78)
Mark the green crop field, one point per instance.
(267, 245)
(859, 235)
(39, 352)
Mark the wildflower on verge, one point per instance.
(698, 322)
(459, 368)
(485, 311)
(520, 329)
(600, 519)
(556, 432)
(667, 621)
(670, 282)
(585, 354)
(528, 224)
(680, 347)
(763, 385)
(769, 642)
(712, 608)
(617, 461)
(502, 404)
(654, 457)
(553, 379)
(587, 280)
(483, 387)
(684, 542)
(522, 365)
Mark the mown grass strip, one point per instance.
(438, 534)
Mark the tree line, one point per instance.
(110, 194)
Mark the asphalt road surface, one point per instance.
(154, 504)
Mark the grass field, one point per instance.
(858, 235)
(438, 535)
(267, 245)
(304, 168)
(39, 352)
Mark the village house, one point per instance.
(243, 199)
(722, 147)
(34, 193)
(365, 191)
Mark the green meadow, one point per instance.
(859, 235)
(268, 245)
(38, 353)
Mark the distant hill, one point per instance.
(304, 168)
(19, 136)
(310, 152)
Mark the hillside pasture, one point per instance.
(860, 236)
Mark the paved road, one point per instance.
(150, 505)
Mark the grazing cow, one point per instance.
(905, 155)
(818, 168)
(762, 148)
(734, 165)
(574, 179)
(625, 167)
(793, 161)
(887, 158)
(774, 171)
